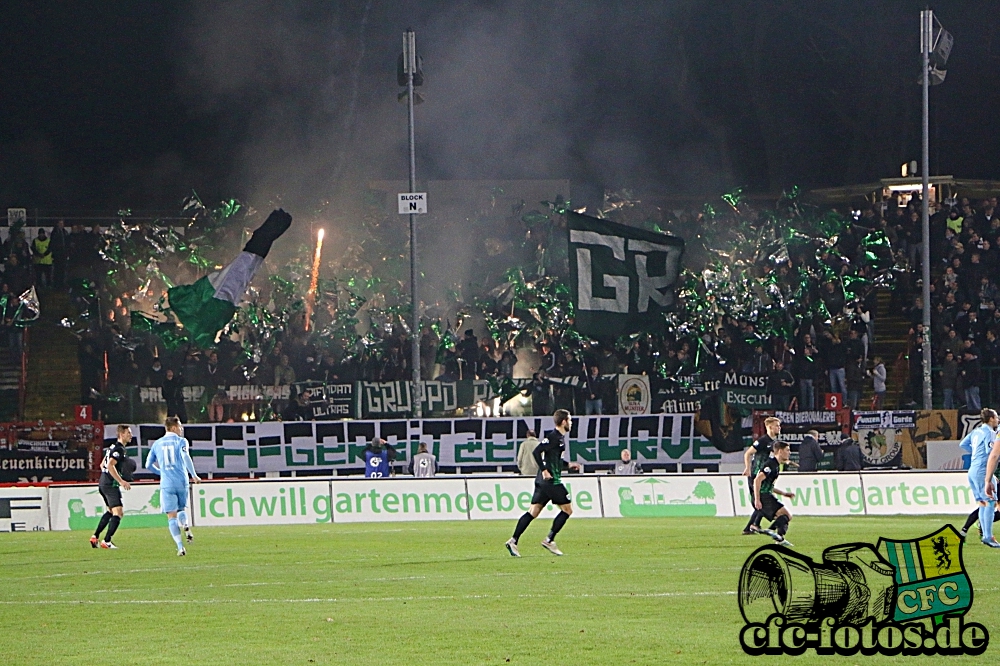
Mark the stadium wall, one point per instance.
(292, 500)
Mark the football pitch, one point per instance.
(628, 591)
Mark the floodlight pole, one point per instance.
(410, 67)
(926, 37)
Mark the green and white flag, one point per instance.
(205, 307)
(622, 279)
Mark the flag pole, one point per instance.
(926, 32)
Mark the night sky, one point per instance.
(134, 104)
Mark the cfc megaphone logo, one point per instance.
(901, 597)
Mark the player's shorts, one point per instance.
(546, 491)
(173, 499)
(112, 496)
(977, 480)
(770, 506)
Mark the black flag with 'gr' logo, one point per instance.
(622, 279)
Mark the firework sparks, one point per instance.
(314, 280)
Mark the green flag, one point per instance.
(621, 278)
(205, 307)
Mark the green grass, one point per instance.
(628, 591)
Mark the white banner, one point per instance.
(24, 509)
(662, 497)
(508, 498)
(390, 500)
(815, 494)
(322, 446)
(917, 494)
(633, 394)
(281, 502)
(295, 500)
(81, 507)
(235, 393)
(947, 455)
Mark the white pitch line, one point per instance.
(128, 571)
(313, 600)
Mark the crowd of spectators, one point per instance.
(965, 321)
(50, 259)
(837, 354)
(841, 355)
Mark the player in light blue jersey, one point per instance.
(981, 442)
(169, 459)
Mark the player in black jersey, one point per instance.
(753, 461)
(548, 484)
(110, 486)
(765, 502)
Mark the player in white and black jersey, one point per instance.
(110, 485)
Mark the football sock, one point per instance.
(522, 525)
(971, 520)
(175, 532)
(986, 520)
(753, 515)
(756, 518)
(182, 518)
(105, 519)
(276, 224)
(781, 525)
(557, 524)
(112, 527)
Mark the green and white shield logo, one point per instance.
(930, 575)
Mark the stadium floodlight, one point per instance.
(936, 75)
(935, 48)
(410, 75)
(941, 47)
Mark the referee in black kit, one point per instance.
(548, 484)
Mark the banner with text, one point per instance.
(917, 494)
(24, 509)
(743, 391)
(815, 494)
(391, 500)
(283, 502)
(509, 498)
(298, 501)
(304, 446)
(234, 393)
(633, 394)
(330, 402)
(32, 466)
(395, 399)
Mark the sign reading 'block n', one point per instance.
(412, 202)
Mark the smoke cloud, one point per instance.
(514, 90)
